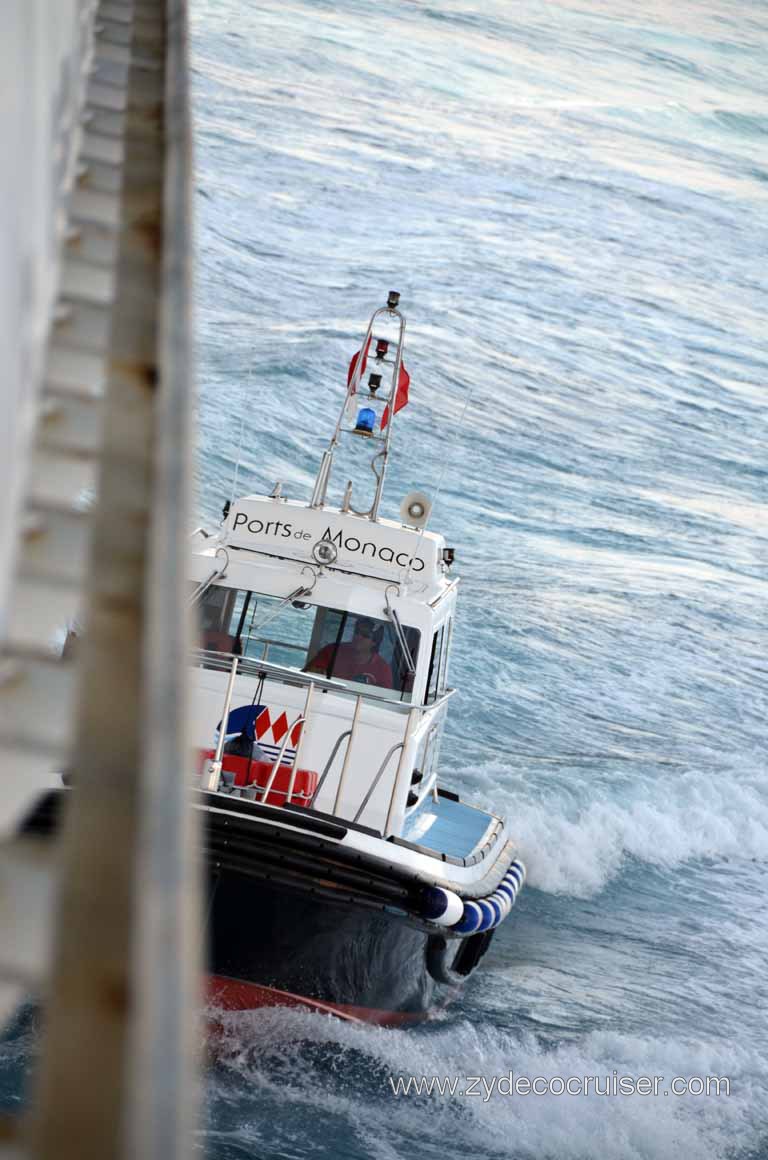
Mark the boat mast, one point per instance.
(381, 438)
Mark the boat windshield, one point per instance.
(346, 646)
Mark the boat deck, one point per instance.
(448, 826)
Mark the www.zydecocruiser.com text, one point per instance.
(486, 1087)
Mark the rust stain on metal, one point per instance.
(119, 604)
(151, 375)
(150, 232)
(152, 114)
(142, 373)
(115, 994)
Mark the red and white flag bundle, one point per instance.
(403, 382)
(401, 395)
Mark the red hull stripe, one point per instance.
(238, 995)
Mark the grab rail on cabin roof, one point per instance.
(216, 574)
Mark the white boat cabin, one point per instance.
(325, 636)
(296, 624)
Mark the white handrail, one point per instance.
(328, 764)
(300, 742)
(213, 773)
(398, 775)
(375, 782)
(251, 667)
(345, 766)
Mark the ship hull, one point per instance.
(291, 922)
(273, 946)
(299, 915)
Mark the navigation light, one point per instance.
(325, 551)
(366, 421)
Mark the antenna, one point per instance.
(449, 557)
(242, 433)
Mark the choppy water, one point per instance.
(571, 198)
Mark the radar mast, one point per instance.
(376, 375)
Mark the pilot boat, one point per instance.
(343, 875)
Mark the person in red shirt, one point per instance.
(357, 659)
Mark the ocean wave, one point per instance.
(338, 1075)
(577, 847)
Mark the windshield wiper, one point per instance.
(400, 637)
(253, 629)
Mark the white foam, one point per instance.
(565, 1127)
(575, 843)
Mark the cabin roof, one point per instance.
(382, 550)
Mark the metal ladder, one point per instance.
(380, 359)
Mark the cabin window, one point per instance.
(275, 631)
(215, 616)
(442, 681)
(434, 664)
(438, 662)
(339, 645)
(362, 649)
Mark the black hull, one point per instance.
(334, 953)
(286, 918)
(296, 919)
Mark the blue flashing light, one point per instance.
(366, 420)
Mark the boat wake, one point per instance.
(575, 842)
(310, 1069)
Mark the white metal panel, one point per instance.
(27, 870)
(44, 53)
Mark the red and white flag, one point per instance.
(401, 395)
(403, 383)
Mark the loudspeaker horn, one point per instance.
(415, 509)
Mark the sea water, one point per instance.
(571, 199)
